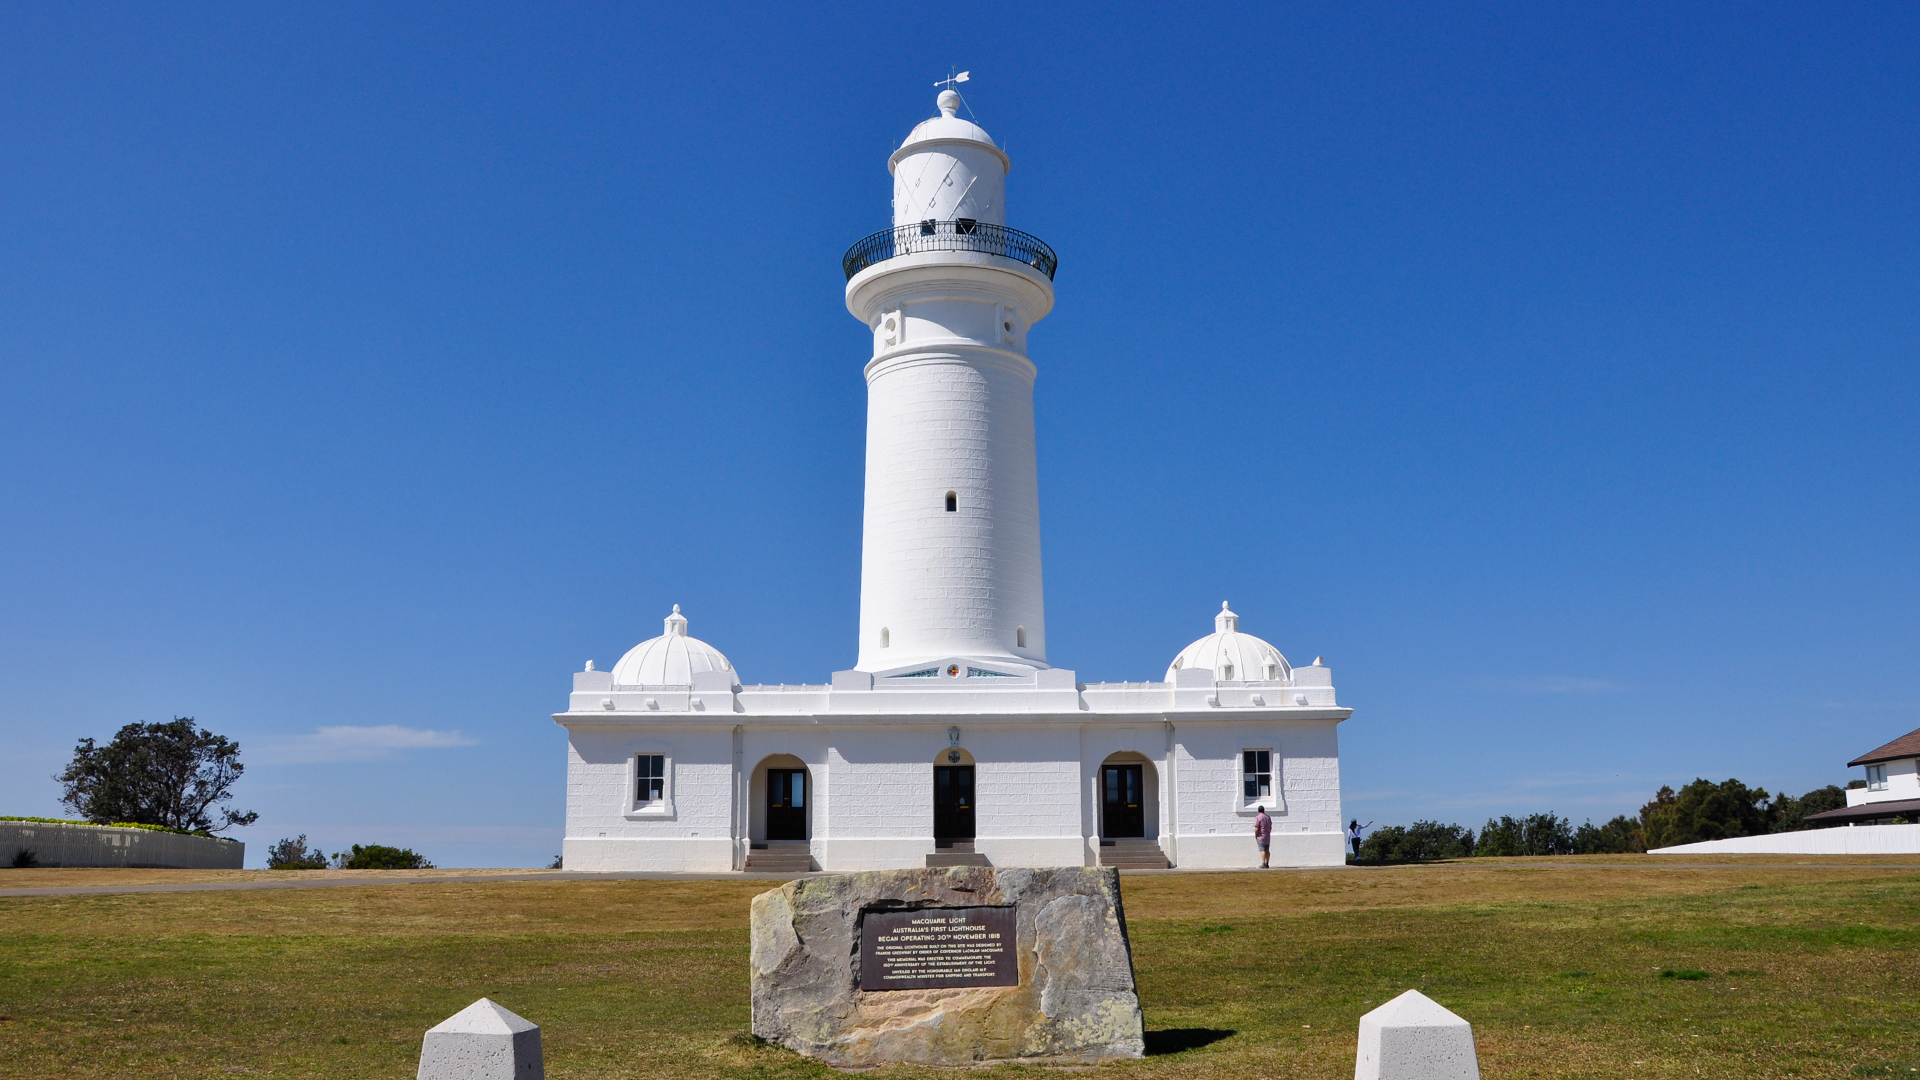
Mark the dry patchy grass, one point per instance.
(1811, 972)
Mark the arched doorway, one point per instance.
(780, 809)
(1127, 788)
(953, 798)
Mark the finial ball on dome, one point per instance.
(949, 102)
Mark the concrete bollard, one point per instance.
(1413, 1038)
(482, 1042)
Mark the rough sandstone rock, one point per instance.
(1075, 1001)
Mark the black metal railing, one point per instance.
(959, 234)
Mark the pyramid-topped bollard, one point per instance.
(1413, 1038)
(482, 1042)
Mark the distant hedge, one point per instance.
(117, 825)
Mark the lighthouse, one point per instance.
(952, 741)
(950, 559)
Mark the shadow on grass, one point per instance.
(1174, 1040)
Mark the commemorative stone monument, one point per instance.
(947, 966)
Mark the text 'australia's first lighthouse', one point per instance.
(951, 558)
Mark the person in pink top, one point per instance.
(1262, 833)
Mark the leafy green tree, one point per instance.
(294, 855)
(1788, 814)
(1535, 834)
(156, 774)
(1704, 810)
(381, 857)
(1423, 841)
(1616, 837)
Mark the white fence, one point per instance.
(1840, 840)
(104, 845)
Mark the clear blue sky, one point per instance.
(1549, 369)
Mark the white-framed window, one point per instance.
(1876, 778)
(650, 784)
(1256, 775)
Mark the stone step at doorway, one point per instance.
(1133, 854)
(780, 857)
(955, 853)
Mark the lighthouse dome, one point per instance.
(948, 127)
(672, 659)
(1233, 656)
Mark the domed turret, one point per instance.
(1233, 656)
(672, 659)
(949, 169)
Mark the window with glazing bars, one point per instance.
(1876, 778)
(651, 774)
(1258, 770)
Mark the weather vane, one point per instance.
(952, 78)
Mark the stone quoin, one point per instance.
(951, 741)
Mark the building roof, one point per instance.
(1866, 811)
(1906, 746)
(1231, 655)
(670, 659)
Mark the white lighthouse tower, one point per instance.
(951, 560)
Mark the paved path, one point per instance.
(645, 875)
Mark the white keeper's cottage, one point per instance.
(950, 740)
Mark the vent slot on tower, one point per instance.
(886, 638)
(953, 502)
(1019, 637)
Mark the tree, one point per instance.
(1423, 841)
(156, 774)
(1788, 814)
(1704, 810)
(1616, 837)
(381, 857)
(1535, 834)
(293, 855)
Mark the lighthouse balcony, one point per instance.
(958, 234)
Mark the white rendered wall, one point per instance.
(1903, 782)
(1216, 821)
(696, 832)
(956, 417)
(1840, 840)
(871, 784)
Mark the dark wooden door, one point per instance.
(786, 804)
(952, 802)
(1124, 809)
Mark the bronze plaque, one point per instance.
(938, 947)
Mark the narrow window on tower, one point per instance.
(953, 502)
(886, 639)
(1019, 637)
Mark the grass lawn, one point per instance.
(1608, 966)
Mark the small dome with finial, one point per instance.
(949, 128)
(670, 659)
(1231, 655)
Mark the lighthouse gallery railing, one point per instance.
(960, 234)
